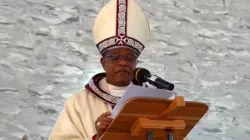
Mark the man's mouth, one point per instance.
(122, 71)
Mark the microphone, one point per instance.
(143, 75)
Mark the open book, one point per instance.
(138, 91)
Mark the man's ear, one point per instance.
(102, 62)
(136, 63)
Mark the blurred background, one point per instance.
(47, 53)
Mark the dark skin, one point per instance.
(119, 70)
(104, 123)
(119, 64)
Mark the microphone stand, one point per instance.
(156, 83)
(150, 136)
(150, 133)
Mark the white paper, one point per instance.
(138, 91)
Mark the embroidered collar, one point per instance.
(93, 87)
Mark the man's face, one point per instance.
(119, 64)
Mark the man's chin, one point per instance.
(122, 82)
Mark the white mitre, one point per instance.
(121, 23)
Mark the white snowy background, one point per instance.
(47, 53)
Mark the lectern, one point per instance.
(155, 119)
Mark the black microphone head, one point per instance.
(171, 87)
(141, 74)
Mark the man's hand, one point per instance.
(102, 123)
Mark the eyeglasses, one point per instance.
(114, 57)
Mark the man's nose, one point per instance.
(123, 62)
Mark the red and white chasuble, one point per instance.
(77, 120)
